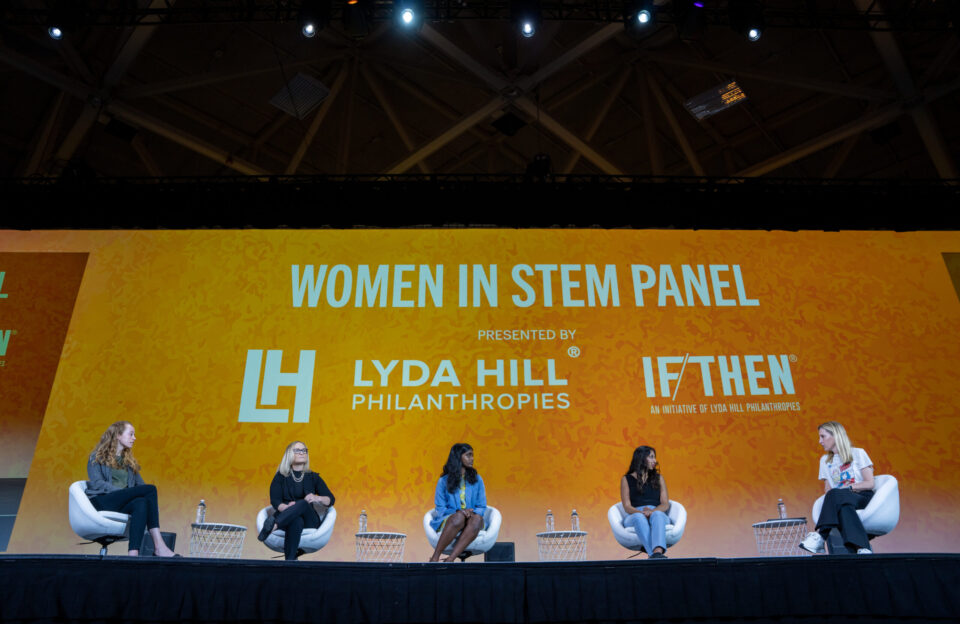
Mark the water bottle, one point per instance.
(549, 520)
(363, 521)
(574, 521)
(781, 509)
(201, 512)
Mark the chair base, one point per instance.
(835, 545)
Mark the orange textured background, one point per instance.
(163, 321)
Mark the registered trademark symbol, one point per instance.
(793, 358)
(573, 352)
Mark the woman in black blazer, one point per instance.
(293, 491)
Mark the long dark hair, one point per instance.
(453, 467)
(647, 476)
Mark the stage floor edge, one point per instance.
(876, 588)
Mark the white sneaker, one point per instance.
(864, 551)
(813, 543)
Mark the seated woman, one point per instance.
(293, 491)
(115, 484)
(847, 475)
(644, 495)
(460, 501)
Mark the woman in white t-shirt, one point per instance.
(847, 475)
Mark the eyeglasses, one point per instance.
(301, 451)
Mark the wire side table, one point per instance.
(780, 537)
(562, 545)
(381, 547)
(216, 540)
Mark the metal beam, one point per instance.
(325, 106)
(674, 123)
(448, 135)
(378, 93)
(649, 128)
(346, 126)
(922, 115)
(145, 157)
(440, 106)
(128, 53)
(43, 138)
(501, 85)
(210, 78)
(601, 114)
(168, 131)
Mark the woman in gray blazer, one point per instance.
(115, 484)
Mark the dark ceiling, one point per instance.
(847, 89)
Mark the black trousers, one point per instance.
(140, 502)
(292, 521)
(839, 511)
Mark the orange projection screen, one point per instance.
(554, 353)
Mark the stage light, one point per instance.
(526, 14)
(409, 13)
(55, 33)
(639, 14)
(314, 16)
(746, 17)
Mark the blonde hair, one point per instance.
(106, 450)
(287, 460)
(842, 441)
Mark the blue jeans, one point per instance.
(651, 531)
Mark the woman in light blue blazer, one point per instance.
(460, 502)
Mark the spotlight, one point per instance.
(55, 33)
(746, 17)
(526, 14)
(639, 14)
(314, 16)
(409, 12)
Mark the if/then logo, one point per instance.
(4, 333)
(272, 379)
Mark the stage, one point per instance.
(903, 587)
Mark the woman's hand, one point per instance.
(646, 512)
(466, 513)
(282, 506)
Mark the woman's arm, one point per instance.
(625, 497)
(867, 483)
(826, 486)
(98, 482)
(440, 498)
(664, 499)
(276, 492)
(322, 493)
(480, 502)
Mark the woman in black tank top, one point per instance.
(644, 495)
